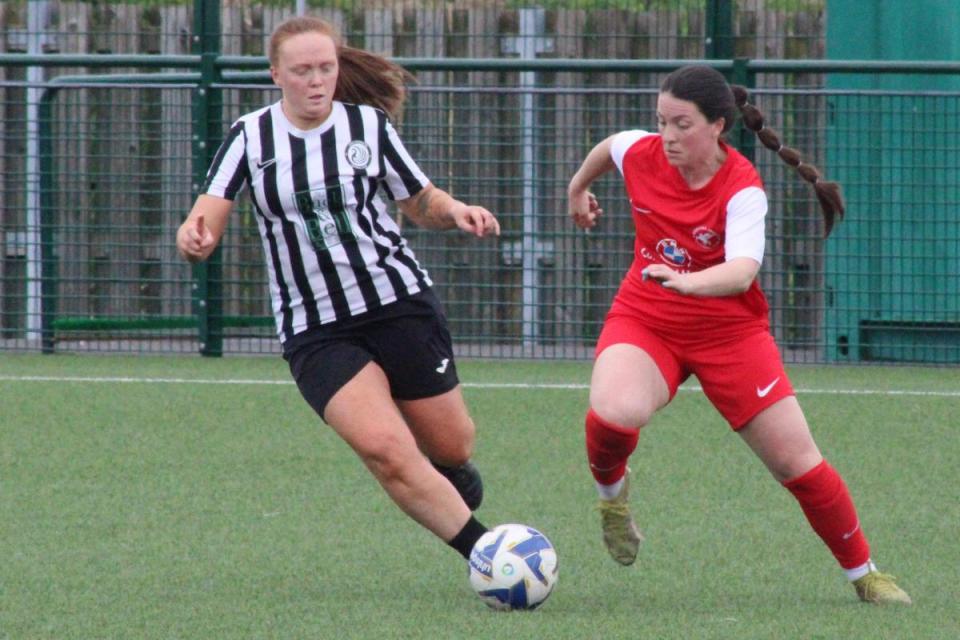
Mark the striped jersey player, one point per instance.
(364, 335)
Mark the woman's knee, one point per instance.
(626, 412)
(387, 459)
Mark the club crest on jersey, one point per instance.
(706, 237)
(358, 154)
(673, 254)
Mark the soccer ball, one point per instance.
(513, 566)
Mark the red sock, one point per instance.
(608, 447)
(825, 501)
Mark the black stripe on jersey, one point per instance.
(382, 251)
(393, 156)
(365, 202)
(331, 172)
(265, 129)
(289, 232)
(301, 184)
(242, 173)
(401, 255)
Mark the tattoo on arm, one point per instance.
(429, 210)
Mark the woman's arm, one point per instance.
(434, 208)
(583, 207)
(200, 233)
(725, 279)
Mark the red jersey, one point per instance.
(685, 229)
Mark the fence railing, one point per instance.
(118, 160)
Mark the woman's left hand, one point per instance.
(476, 220)
(667, 277)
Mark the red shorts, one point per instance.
(741, 374)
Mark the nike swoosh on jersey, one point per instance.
(763, 392)
(849, 535)
(641, 209)
(264, 165)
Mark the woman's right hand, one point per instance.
(194, 239)
(200, 233)
(584, 209)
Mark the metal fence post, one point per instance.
(36, 15)
(207, 116)
(529, 42)
(742, 75)
(48, 257)
(719, 29)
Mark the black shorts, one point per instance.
(408, 339)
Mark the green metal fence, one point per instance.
(101, 157)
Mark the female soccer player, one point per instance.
(690, 304)
(364, 335)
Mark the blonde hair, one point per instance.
(365, 78)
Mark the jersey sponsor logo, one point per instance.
(706, 237)
(358, 154)
(672, 253)
(761, 393)
(325, 216)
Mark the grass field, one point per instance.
(179, 497)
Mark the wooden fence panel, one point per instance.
(176, 25)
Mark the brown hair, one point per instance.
(365, 78)
(828, 193)
(708, 89)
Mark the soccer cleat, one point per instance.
(880, 588)
(466, 480)
(620, 532)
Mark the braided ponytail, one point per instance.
(828, 193)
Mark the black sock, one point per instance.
(463, 542)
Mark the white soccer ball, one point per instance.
(513, 566)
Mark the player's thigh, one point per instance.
(626, 386)
(634, 373)
(442, 426)
(781, 438)
(364, 414)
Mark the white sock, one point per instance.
(858, 572)
(610, 491)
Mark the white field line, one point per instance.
(468, 385)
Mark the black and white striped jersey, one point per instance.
(332, 250)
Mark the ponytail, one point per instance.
(368, 78)
(828, 193)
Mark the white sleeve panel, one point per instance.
(623, 141)
(227, 174)
(746, 211)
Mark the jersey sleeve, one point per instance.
(622, 142)
(403, 177)
(229, 171)
(745, 235)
